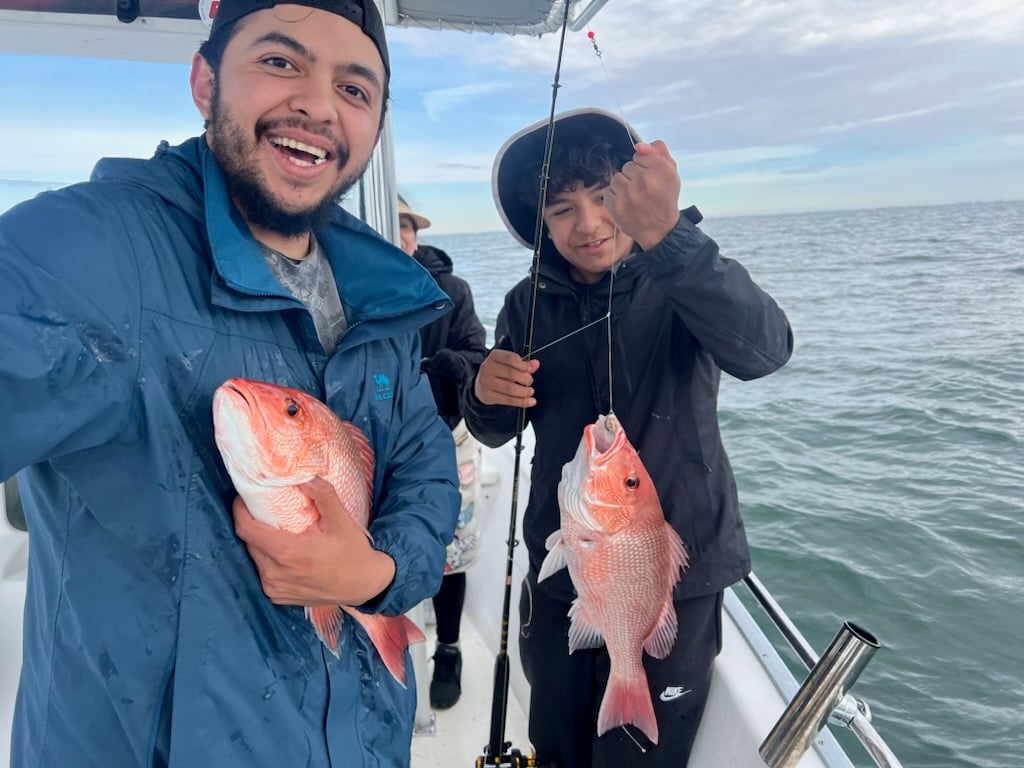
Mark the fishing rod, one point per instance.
(497, 751)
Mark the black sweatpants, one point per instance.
(566, 689)
(448, 603)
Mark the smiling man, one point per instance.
(163, 625)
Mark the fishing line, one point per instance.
(608, 316)
(539, 223)
(611, 88)
(538, 233)
(592, 37)
(633, 739)
(569, 335)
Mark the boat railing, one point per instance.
(10, 504)
(823, 696)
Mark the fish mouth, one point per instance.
(232, 390)
(601, 441)
(235, 412)
(604, 438)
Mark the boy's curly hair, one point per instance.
(574, 160)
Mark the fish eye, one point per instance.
(633, 482)
(293, 407)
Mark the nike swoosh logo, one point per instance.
(673, 692)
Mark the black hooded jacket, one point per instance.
(453, 345)
(681, 314)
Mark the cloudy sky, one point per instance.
(773, 106)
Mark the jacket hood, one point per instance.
(176, 176)
(434, 260)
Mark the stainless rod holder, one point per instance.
(822, 691)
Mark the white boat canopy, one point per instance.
(174, 29)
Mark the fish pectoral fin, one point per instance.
(584, 631)
(326, 620)
(554, 539)
(554, 561)
(663, 637)
(390, 635)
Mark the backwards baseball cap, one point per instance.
(362, 13)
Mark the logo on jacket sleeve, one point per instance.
(383, 382)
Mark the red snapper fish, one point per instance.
(275, 438)
(624, 560)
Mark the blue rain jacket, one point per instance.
(124, 303)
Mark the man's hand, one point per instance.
(644, 197)
(506, 379)
(330, 563)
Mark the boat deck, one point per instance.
(460, 733)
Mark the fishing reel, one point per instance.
(507, 759)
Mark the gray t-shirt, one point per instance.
(311, 281)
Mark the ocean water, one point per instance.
(881, 472)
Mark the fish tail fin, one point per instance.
(627, 701)
(326, 620)
(390, 635)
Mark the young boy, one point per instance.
(681, 314)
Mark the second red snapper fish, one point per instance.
(275, 438)
(623, 559)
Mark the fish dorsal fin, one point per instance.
(362, 446)
(583, 631)
(663, 637)
(679, 560)
(555, 559)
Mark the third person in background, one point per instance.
(453, 348)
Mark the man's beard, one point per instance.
(248, 188)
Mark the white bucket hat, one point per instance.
(524, 151)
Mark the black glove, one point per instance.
(448, 372)
(447, 365)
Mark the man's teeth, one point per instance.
(317, 152)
